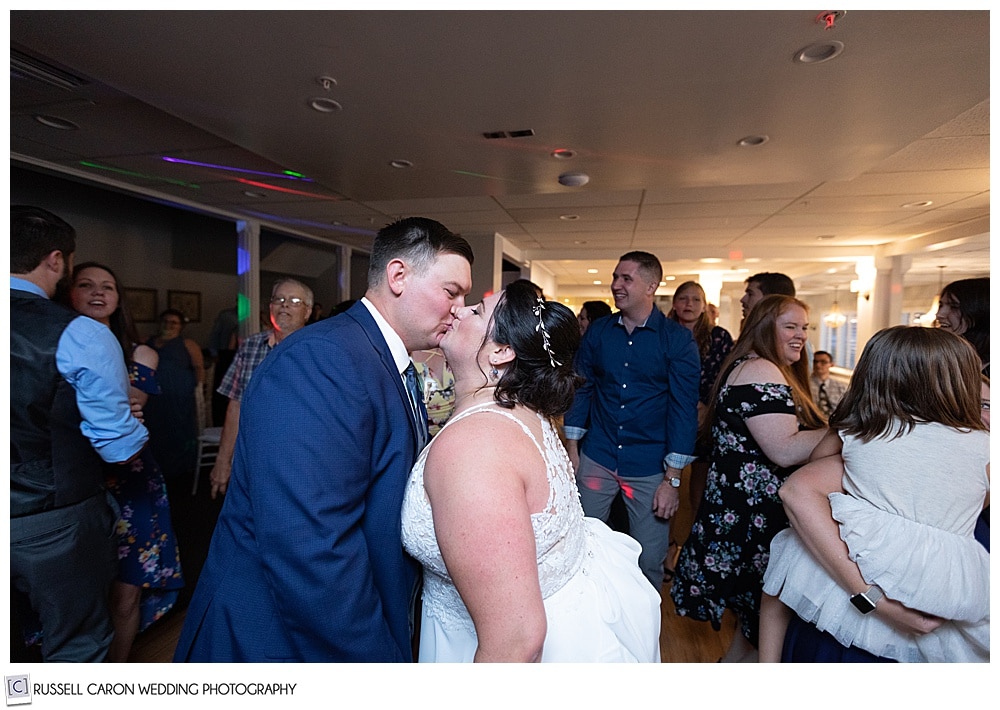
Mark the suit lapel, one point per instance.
(360, 314)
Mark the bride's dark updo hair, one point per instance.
(544, 336)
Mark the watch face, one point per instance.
(675, 482)
(862, 603)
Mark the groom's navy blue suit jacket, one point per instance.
(306, 562)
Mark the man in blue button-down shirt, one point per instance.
(637, 412)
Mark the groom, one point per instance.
(306, 562)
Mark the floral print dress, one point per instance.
(147, 547)
(723, 561)
(148, 556)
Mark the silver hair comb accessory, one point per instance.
(538, 308)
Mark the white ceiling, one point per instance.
(652, 104)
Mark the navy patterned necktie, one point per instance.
(824, 400)
(416, 400)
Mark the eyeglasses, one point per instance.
(293, 301)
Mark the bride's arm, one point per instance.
(805, 497)
(474, 480)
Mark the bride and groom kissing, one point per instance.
(307, 561)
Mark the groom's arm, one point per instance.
(313, 472)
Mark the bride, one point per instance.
(513, 571)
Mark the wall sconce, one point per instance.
(865, 283)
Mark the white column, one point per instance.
(888, 293)
(711, 282)
(248, 275)
(344, 275)
(864, 287)
(487, 268)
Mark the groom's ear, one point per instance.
(396, 273)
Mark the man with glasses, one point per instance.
(291, 304)
(826, 391)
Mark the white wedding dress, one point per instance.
(598, 605)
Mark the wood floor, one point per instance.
(682, 640)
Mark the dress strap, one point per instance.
(492, 408)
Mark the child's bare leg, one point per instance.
(774, 618)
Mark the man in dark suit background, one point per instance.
(306, 562)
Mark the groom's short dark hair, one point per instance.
(418, 240)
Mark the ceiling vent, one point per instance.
(24, 67)
(493, 135)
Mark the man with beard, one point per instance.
(291, 305)
(70, 416)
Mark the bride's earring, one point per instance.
(494, 373)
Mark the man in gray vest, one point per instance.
(70, 417)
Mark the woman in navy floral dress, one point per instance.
(764, 423)
(149, 569)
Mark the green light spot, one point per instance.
(242, 307)
(143, 176)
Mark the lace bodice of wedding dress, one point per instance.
(560, 533)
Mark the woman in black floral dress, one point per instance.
(763, 423)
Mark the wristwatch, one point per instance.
(865, 601)
(674, 481)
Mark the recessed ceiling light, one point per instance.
(917, 205)
(574, 179)
(55, 122)
(569, 217)
(597, 283)
(562, 153)
(325, 105)
(752, 141)
(710, 260)
(327, 82)
(674, 278)
(401, 163)
(663, 283)
(819, 52)
(591, 271)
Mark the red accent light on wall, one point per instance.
(736, 255)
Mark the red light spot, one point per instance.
(627, 490)
(592, 484)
